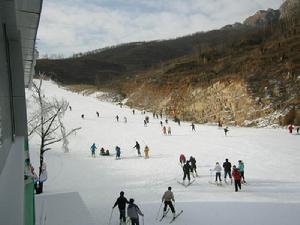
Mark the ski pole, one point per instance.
(110, 216)
(158, 211)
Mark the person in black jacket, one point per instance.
(193, 166)
(186, 171)
(121, 202)
(138, 148)
(227, 170)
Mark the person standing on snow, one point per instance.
(227, 170)
(218, 170)
(93, 150)
(290, 127)
(169, 130)
(242, 169)
(146, 151)
(164, 130)
(193, 166)
(118, 152)
(138, 147)
(117, 118)
(226, 130)
(133, 212)
(121, 202)
(97, 113)
(237, 178)
(193, 127)
(167, 198)
(186, 171)
(161, 123)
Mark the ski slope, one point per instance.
(271, 156)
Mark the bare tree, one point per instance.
(47, 123)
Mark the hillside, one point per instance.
(238, 74)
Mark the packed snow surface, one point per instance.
(271, 156)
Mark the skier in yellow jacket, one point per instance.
(146, 151)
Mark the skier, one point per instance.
(193, 127)
(121, 202)
(82, 116)
(70, 108)
(117, 117)
(138, 147)
(161, 123)
(146, 151)
(145, 123)
(93, 149)
(118, 152)
(241, 168)
(147, 119)
(186, 171)
(193, 166)
(167, 198)
(166, 120)
(290, 127)
(298, 129)
(164, 130)
(227, 170)
(182, 159)
(237, 178)
(97, 114)
(218, 170)
(169, 130)
(107, 152)
(133, 111)
(133, 212)
(226, 130)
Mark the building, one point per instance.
(19, 20)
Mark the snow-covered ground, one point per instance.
(270, 197)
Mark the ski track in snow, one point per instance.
(271, 158)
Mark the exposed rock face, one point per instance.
(289, 9)
(262, 18)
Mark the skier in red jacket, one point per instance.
(237, 178)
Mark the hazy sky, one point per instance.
(72, 26)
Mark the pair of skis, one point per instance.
(173, 219)
(186, 185)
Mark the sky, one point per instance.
(73, 26)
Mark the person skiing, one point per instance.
(82, 116)
(242, 169)
(70, 108)
(193, 127)
(298, 129)
(97, 113)
(93, 150)
(237, 178)
(182, 159)
(218, 170)
(138, 147)
(145, 123)
(290, 127)
(226, 130)
(169, 130)
(193, 166)
(117, 118)
(166, 121)
(227, 170)
(186, 171)
(118, 152)
(146, 151)
(161, 123)
(133, 111)
(121, 203)
(107, 152)
(167, 198)
(133, 212)
(164, 130)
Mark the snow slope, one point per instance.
(271, 158)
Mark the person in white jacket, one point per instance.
(218, 170)
(133, 212)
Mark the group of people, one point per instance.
(188, 166)
(103, 152)
(166, 131)
(133, 211)
(291, 127)
(237, 172)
